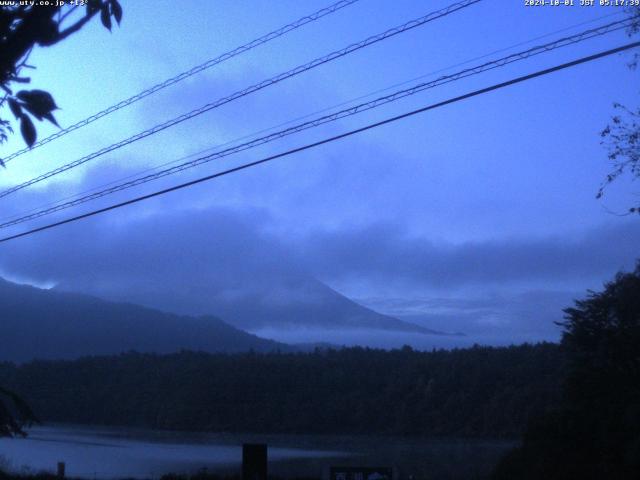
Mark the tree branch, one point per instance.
(75, 27)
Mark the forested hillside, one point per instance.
(472, 392)
(48, 324)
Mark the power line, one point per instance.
(259, 86)
(311, 114)
(309, 146)
(562, 42)
(189, 73)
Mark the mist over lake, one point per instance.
(106, 453)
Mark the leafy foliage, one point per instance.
(622, 139)
(480, 391)
(595, 433)
(621, 136)
(24, 26)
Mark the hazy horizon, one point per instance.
(478, 217)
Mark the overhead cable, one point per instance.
(531, 52)
(309, 146)
(186, 74)
(249, 90)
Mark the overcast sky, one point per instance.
(483, 211)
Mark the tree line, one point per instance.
(481, 391)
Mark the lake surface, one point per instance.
(103, 453)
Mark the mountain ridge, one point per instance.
(291, 302)
(50, 324)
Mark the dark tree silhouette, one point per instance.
(621, 136)
(596, 432)
(474, 392)
(14, 414)
(23, 27)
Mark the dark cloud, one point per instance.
(226, 253)
(201, 243)
(386, 253)
(214, 245)
(508, 287)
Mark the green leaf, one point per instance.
(105, 16)
(37, 102)
(46, 33)
(28, 130)
(93, 6)
(51, 118)
(15, 107)
(39, 97)
(116, 10)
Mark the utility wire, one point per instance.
(308, 115)
(311, 114)
(258, 86)
(309, 146)
(562, 42)
(189, 73)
